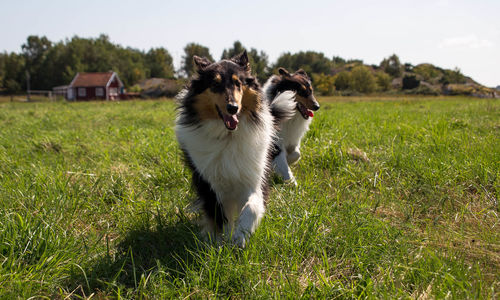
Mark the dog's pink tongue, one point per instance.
(310, 113)
(231, 121)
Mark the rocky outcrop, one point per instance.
(159, 87)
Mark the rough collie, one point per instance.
(298, 90)
(226, 130)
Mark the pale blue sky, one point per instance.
(464, 34)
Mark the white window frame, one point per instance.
(113, 91)
(82, 92)
(99, 92)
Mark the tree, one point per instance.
(191, 50)
(2, 69)
(310, 61)
(362, 80)
(12, 86)
(34, 51)
(235, 50)
(392, 66)
(259, 62)
(338, 61)
(12, 72)
(159, 63)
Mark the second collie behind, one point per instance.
(297, 89)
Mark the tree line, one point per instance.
(48, 64)
(51, 64)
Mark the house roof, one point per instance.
(92, 79)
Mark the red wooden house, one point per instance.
(100, 85)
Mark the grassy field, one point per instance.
(94, 203)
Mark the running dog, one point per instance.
(287, 146)
(226, 129)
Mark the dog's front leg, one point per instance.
(249, 219)
(281, 167)
(293, 154)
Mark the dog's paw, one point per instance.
(239, 239)
(291, 180)
(293, 156)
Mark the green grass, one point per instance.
(94, 202)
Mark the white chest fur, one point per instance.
(293, 130)
(230, 161)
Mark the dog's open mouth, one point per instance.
(304, 111)
(230, 121)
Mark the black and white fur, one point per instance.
(297, 89)
(230, 166)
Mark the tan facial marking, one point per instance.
(205, 104)
(235, 78)
(238, 96)
(303, 87)
(251, 100)
(218, 78)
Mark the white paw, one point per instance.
(293, 157)
(290, 179)
(239, 239)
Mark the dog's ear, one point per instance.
(303, 73)
(242, 60)
(283, 72)
(252, 82)
(201, 62)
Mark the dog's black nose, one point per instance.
(232, 108)
(315, 107)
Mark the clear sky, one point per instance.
(458, 33)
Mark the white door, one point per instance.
(70, 94)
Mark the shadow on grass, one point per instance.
(168, 247)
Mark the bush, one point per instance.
(342, 81)
(324, 84)
(383, 81)
(135, 89)
(452, 76)
(410, 82)
(362, 80)
(427, 71)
